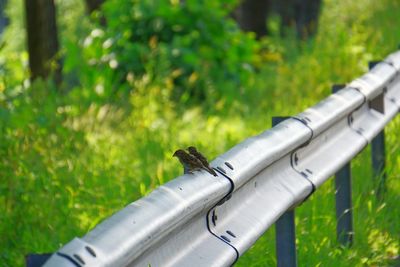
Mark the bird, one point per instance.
(193, 151)
(190, 163)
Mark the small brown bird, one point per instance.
(190, 163)
(193, 151)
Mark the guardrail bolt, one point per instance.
(214, 218)
(229, 165)
(351, 119)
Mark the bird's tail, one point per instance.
(211, 171)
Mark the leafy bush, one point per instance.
(191, 46)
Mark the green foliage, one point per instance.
(69, 161)
(33, 148)
(190, 46)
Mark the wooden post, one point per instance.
(42, 39)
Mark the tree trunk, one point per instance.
(301, 15)
(251, 15)
(42, 39)
(286, 11)
(307, 13)
(92, 5)
(3, 18)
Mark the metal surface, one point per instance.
(125, 237)
(332, 145)
(202, 220)
(375, 81)
(393, 92)
(394, 60)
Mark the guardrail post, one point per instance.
(36, 260)
(344, 207)
(285, 231)
(378, 162)
(378, 154)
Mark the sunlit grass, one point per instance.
(337, 55)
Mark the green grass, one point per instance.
(64, 168)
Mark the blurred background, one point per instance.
(96, 95)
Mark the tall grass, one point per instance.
(350, 34)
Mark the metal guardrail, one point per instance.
(202, 220)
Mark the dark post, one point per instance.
(92, 5)
(285, 231)
(378, 147)
(344, 214)
(3, 17)
(36, 260)
(299, 15)
(42, 39)
(378, 162)
(286, 240)
(251, 15)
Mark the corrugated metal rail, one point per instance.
(202, 220)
